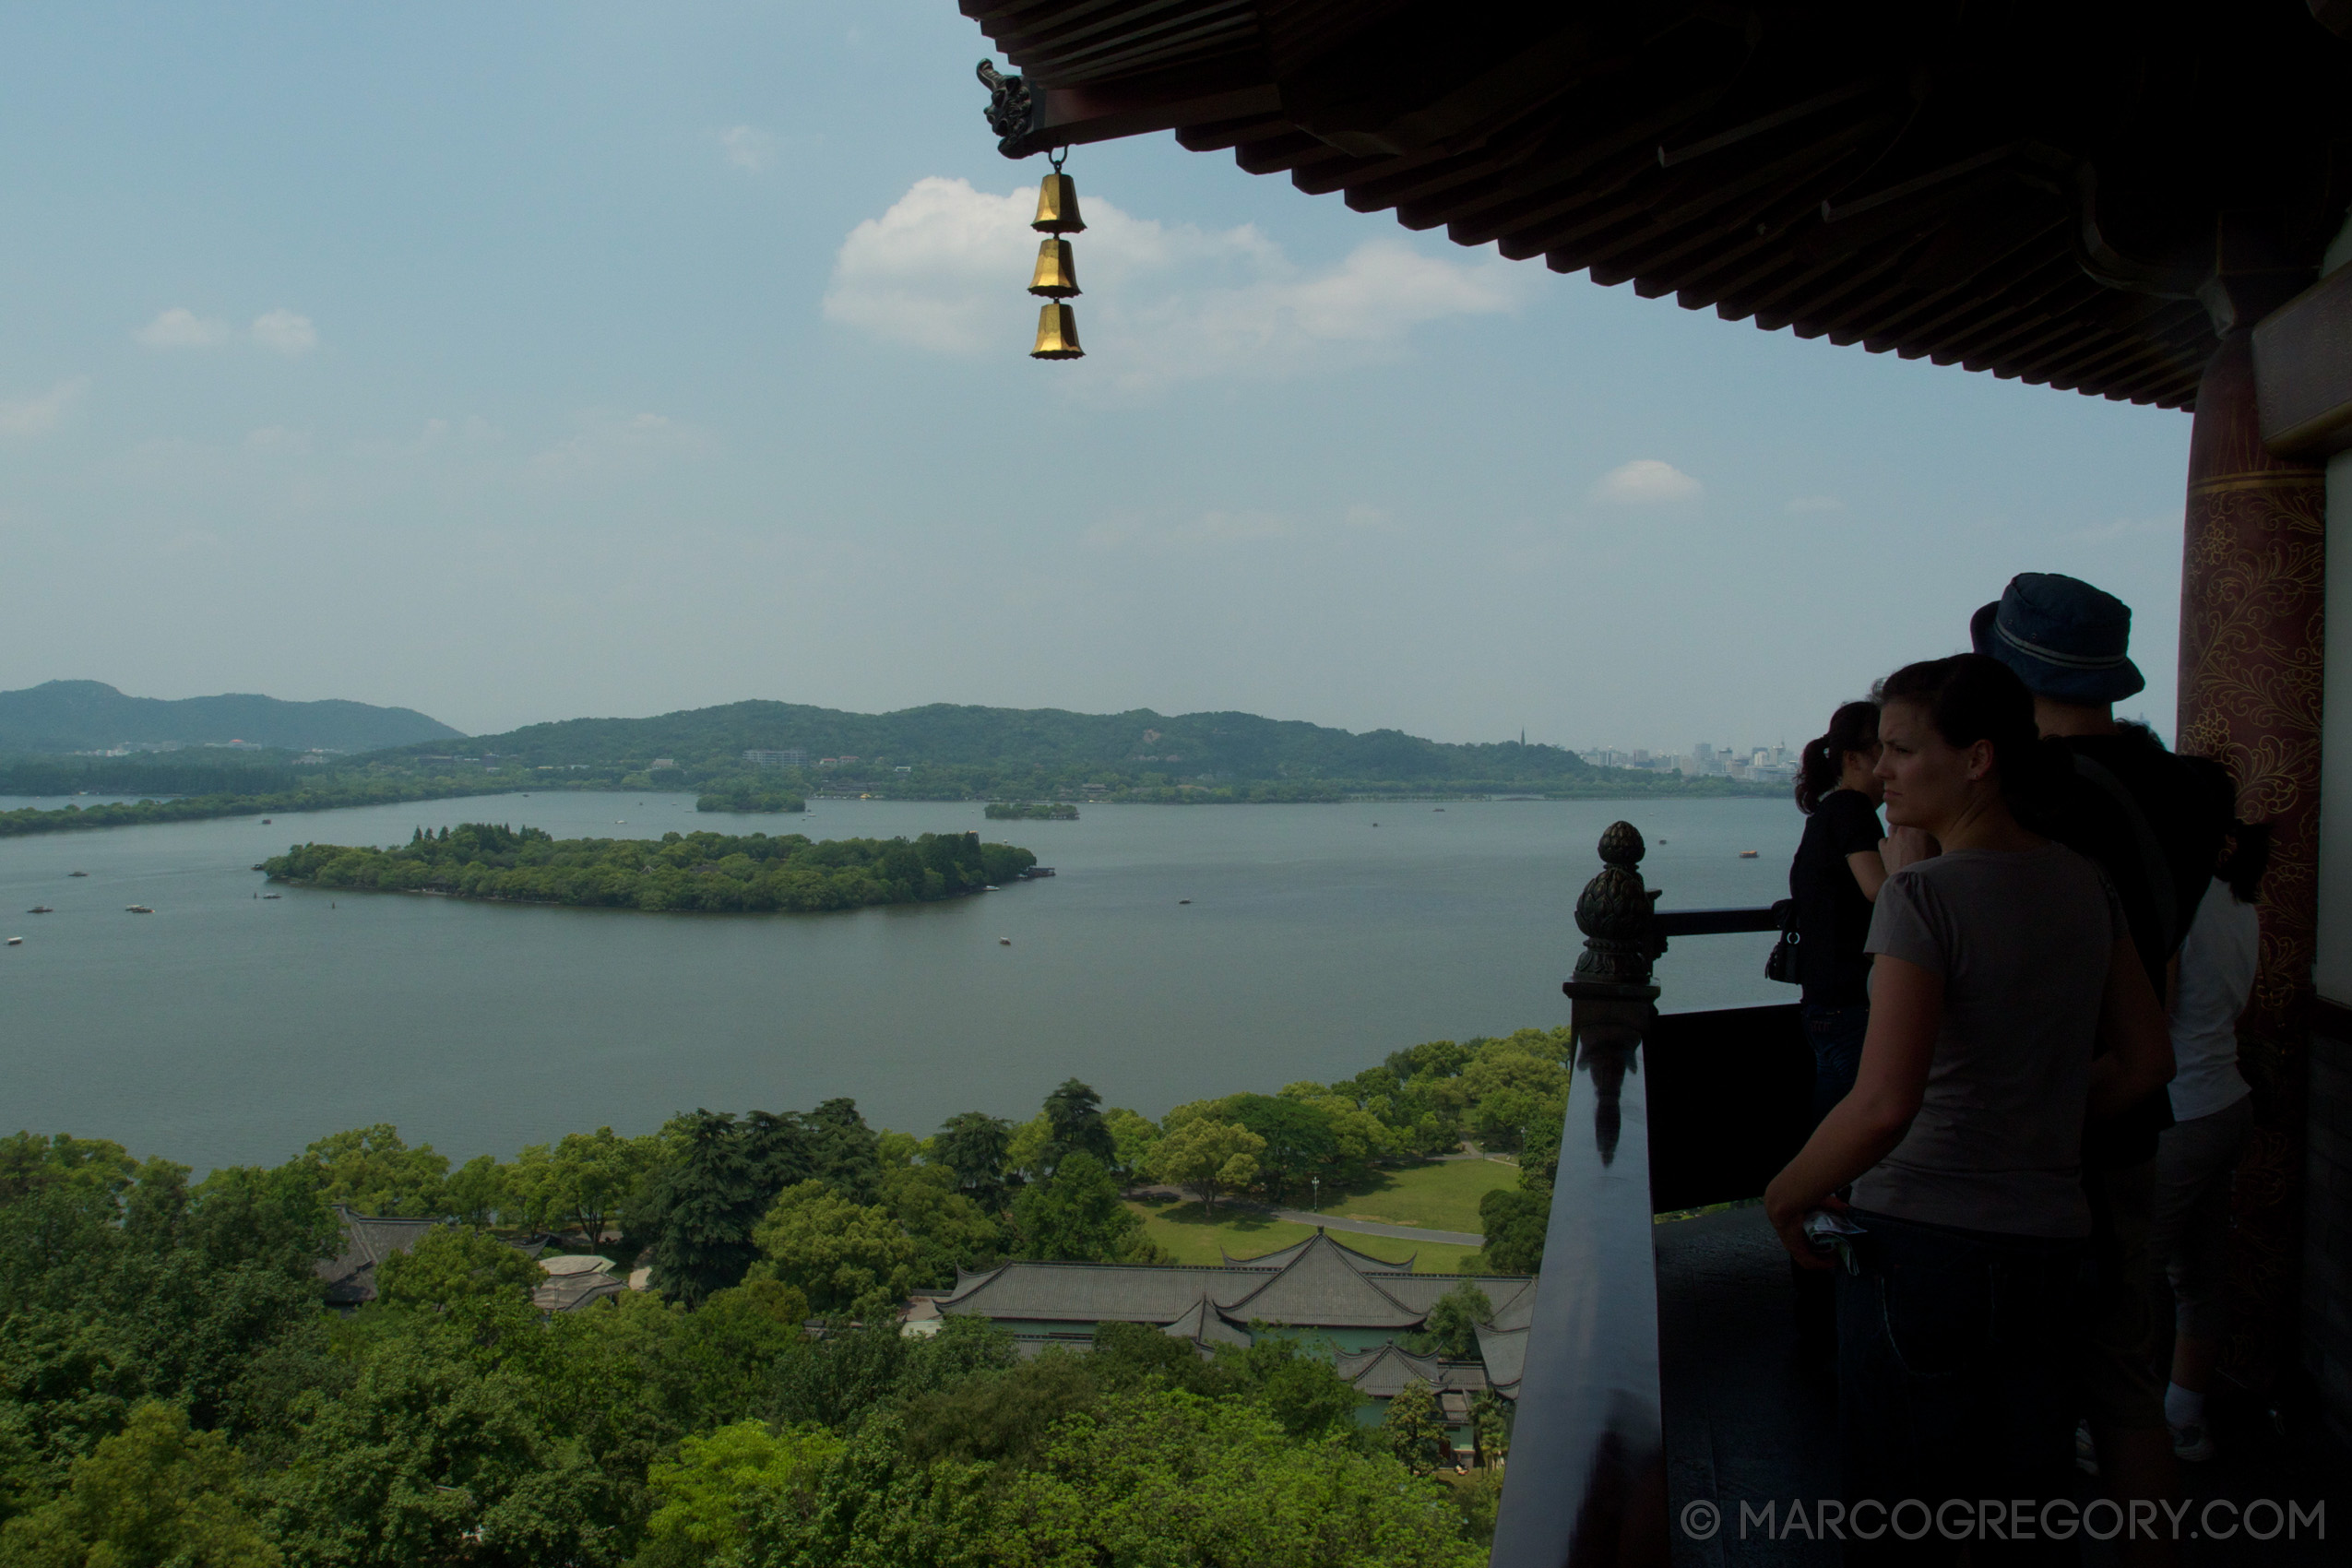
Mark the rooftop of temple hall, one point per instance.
(1362, 1311)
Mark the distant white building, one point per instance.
(776, 759)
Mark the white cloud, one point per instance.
(180, 328)
(1803, 503)
(944, 269)
(285, 332)
(747, 148)
(610, 446)
(28, 417)
(1646, 481)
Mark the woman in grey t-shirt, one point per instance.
(2001, 966)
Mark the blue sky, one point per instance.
(539, 360)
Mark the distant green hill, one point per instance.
(1241, 746)
(948, 751)
(79, 716)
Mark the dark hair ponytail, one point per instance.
(2247, 858)
(1971, 697)
(1853, 728)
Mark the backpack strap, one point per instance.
(2162, 894)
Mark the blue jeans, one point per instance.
(1836, 1034)
(1952, 1377)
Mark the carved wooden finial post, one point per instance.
(1616, 914)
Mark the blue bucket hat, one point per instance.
(2067, 640)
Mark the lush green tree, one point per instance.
(1415, 1429)
(154, 1495)
(477, 1190)
(1168, 1477)
(1207, 1155)
(1490, 1418)
(1074, 1111)
(427, 1458)
(847, 1257)
(31, 1163)
(722, 1482)
(697, 1209)
(1514, 1086)
(972, 1143)
(119, 1283)
(1451, 1327)
(1514, 1220)
(948, 1228)
(732, 1345)
(1133, 1137)
(845, 1153)
(1293, 1382)
(779, 1150)
(1030, 1153)
(451, 1269)
(1000, 1416)
(1076, 1216)
(849, 1375)
(370, 1169)
(581, 1179)
(1299, 1139)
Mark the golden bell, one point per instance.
(1057, 334)
(1057, 271)
(1057, 206)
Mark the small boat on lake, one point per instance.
(267, 896)
(1747, 854)
(137, 909)
(78, 873)
(1005, 942)
(15, 941)
(40, 909)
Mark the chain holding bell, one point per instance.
(1057, 271)
(1057, 205)
(1057, 333)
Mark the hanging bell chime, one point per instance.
(1057, 333)
(1056, 277)
(1057, 205)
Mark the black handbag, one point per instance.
(1782, 963)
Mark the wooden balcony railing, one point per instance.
(1665, 1111)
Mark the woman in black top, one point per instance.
(1834, 880)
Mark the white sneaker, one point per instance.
(2192, 1443)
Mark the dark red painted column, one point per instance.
(2252, 596)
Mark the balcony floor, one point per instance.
(1744, 1420)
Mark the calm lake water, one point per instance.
(226, 1028)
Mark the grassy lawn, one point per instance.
(1441, 1196)
(1194, 1237)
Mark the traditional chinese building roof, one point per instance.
(1319, 1283)
(368, 1239)
(2076, 195)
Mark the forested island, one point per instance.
(711, 873)
(1031, 811)
(751, 794)
(173, 1368)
